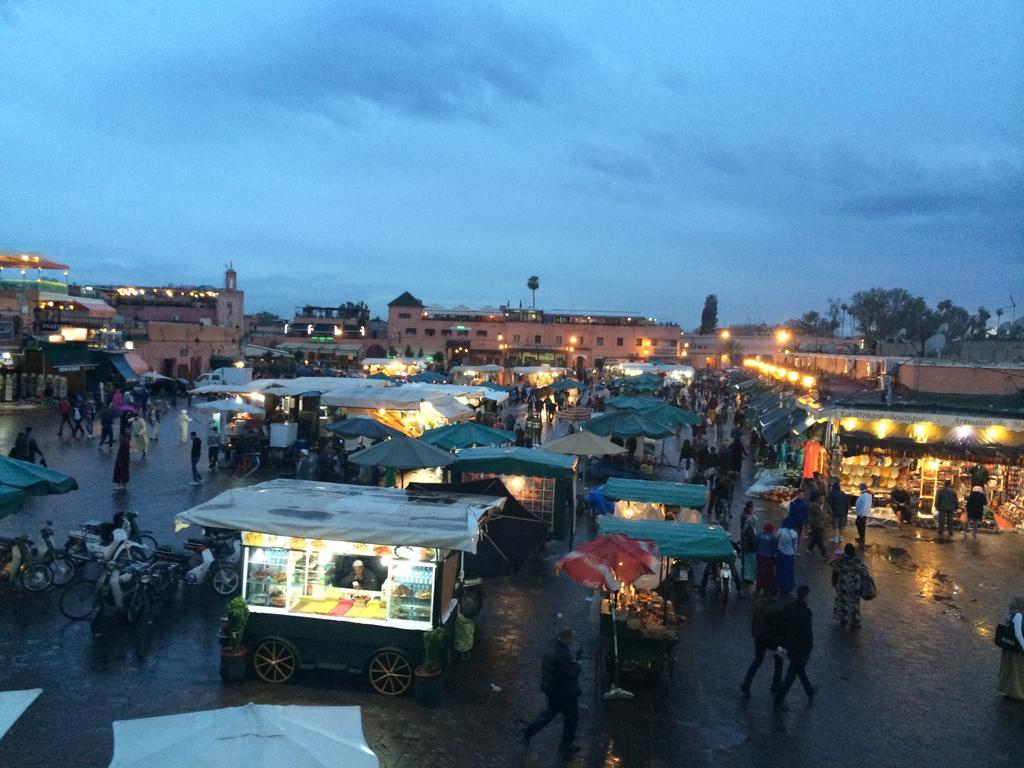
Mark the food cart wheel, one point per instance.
(274, 661)
(390, 673)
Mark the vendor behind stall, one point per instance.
(360, 577)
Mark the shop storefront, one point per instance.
(905, 458)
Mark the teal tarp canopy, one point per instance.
(11, 500)
(381, 376)
(402, 453)
(429, 377)
(123, 368)
(513, 460)
(494, 385)
(33, 479)
(566, 384)
(634, 402)
(678, 494)
(654, 408)
(626, 424)
(466, 434)
(691, 541)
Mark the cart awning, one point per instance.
(692, 541)
(355, 513)
(513, 460)
(678, 494)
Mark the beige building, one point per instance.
(508, 336)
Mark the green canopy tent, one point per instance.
(381, 377)
(634, 402)
(626, 425)
(689, 541)
(566, 384)
(466, 434)
(19, 479)
(653, 492)
(362, 426)
(494, 385)
(429, 377)
(645, 382)
(402, 454)
(512, 463)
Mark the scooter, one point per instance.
(215, 557)
(96, 541)
(122, 589)
(17, 562)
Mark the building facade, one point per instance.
(509, 336)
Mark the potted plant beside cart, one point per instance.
(234, 657)
(428, 675)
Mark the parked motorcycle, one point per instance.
(61, 564)
(215, 558)
(96, 541)
(17, 564)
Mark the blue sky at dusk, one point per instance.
(635, 156)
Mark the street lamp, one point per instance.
(782, 336)
(725, 333)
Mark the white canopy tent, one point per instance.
(252, 736)
(356, 513)
(229, 405)
(13, 704)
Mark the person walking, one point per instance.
(26, 449)
(89, 414)
(213, 447)
(799, 513)
(818, 518)
(796, 632)
(839, 503)
(1011, 664)
(764, 628)
(121, 463)
(64, 409)
(847, 573)
(107, 427)
(560, 684)
(785, 558)
(946, 505)
(304, 467)
(154, 424)
(975, 507)
(748, 544)
(76, 421)
(767, 544)
(183, 421)
(197, 452)
(862, 510)
(139, 436)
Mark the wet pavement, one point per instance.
(915, 685)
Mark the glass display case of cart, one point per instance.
(643, 611)
(344, 581)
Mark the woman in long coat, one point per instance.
(766, 546)
(140, 436)
(975, 507)
(846, 578)
(121, 465)
(1011, 665)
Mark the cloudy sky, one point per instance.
(635, 156)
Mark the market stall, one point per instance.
(538, 376)
(345, 577)
(651, 500)
(911, 454)
(541, 481)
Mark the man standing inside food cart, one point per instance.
(559, 681)
(360, 578)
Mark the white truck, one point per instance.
(228, 375)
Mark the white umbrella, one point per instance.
(229, 404)
(12, 704)
(253, 736)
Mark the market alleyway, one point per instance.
(916, 685)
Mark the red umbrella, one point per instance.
(609, 560)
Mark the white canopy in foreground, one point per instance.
(13, 704)
(253, 736)
(356, 513)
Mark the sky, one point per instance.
(634, 156)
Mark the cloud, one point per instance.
(424, 61)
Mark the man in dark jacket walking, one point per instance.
(197, 453)
(946, 505)
(560, 683)
(840, 505)
(797, 638)
(765, 630)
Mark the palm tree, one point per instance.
(533, 283)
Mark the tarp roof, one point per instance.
(123, 367)
(136, 362)
(95, 307)
(69, 358)
(355, 513)
(514, 460)
(692, 541)
(466, 435)
(679, 494)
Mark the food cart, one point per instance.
(647, 626)
(346, 577)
